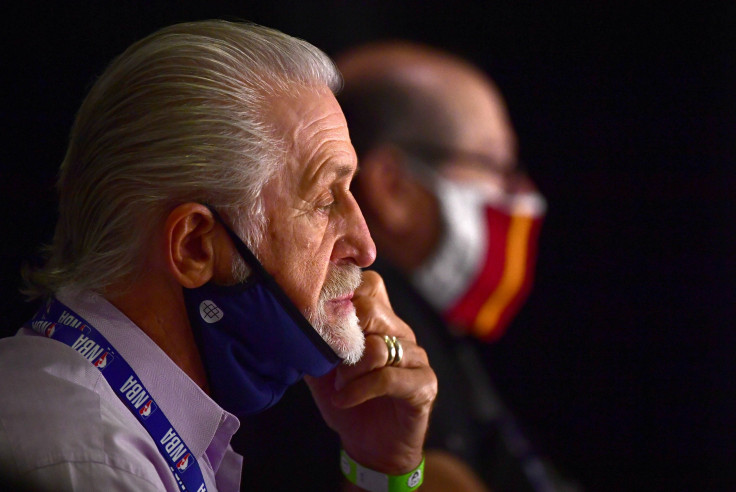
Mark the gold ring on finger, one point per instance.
(391, 346)
(399, 352)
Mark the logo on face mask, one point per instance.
(261, 347)
(209, 312)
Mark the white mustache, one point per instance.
(341, 281)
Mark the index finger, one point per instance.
(374, 309)
(372, 286)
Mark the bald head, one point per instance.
(399, 91)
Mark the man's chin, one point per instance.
(345, 337)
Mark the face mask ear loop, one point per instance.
(245, 252)
(275, 288)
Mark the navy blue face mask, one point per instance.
(253, 340)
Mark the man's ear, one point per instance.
(191, 242)
(386, 190)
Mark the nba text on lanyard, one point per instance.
(57, 321)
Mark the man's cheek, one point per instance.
(294, 288)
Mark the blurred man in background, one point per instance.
(445, 196)
(456, 222)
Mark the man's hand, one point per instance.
(380, 412)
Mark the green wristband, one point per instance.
(374, 481)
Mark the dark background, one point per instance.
(620, 365)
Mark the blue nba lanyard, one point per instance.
(59, 322)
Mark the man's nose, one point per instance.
(355, 244)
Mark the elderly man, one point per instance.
(205, 215)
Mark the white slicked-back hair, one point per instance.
(180, 116)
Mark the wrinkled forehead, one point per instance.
(312, 128)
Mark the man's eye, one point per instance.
(326, 203)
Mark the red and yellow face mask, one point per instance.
(482, 270)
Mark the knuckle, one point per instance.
(425, 358)
(422, 356)
(428, 391)
(371, 316)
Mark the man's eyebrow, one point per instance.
(335, 172)
(344, 170)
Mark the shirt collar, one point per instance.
(205, 427)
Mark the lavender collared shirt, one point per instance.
(62, 427)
